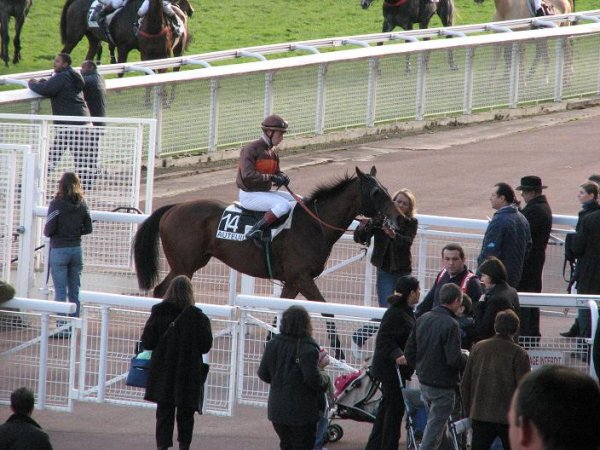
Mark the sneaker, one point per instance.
(356, 350)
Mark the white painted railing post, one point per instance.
(560, 68)
(26, 240)
(468, 86)
(515, 64)
(420, 97)
(268, 107)
(320, 107)
(43, 368)
(104, 329)
(157, 100)
(213, 120)
(372, 91)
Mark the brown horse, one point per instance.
(188, 234)
(156, 38)
(523, 9)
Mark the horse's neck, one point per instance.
(154, 18)
(338, 210)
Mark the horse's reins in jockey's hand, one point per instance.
(312, 214)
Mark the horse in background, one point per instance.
(523, 9)
(156, 38)
(19, 10)
(74, 27)
(406, 13)
(188, 233)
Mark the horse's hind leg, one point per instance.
(307, 287)
(17, 42)
(5, 39)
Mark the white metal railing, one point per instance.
(362, 87)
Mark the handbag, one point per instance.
(139, 369)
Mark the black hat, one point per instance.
(530, 183)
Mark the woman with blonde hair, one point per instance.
(67, 220)
(178, 334)
(391, 255)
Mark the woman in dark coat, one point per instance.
(289, 365)
(178, 334)
(499, 296)
(391, 256)
(396, 325)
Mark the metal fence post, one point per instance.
(26, 240)
(372, 91)
(515, 64)
(468, 89)
(320, 112)
(268, 94)
(422, 270)
(560, 68)
(157, 100)
(421, 69)
(213, 121)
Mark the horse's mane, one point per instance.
(324, 191)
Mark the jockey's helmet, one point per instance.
(274, 123)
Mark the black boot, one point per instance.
(573, 331)
(183, 446)
(256, 232)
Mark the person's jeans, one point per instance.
(66, 264)
(321, 430)
(440, 404)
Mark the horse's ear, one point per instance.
(373, 171)
(359, 173)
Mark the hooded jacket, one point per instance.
(21, 432)
(65, 89)
(67, 222)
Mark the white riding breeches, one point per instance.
(276, 201)
(167, 8)
(537, 4)
(114, 4)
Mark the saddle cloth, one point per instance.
(236, 222)
(547, 7)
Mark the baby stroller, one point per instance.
(416, 420)
(357, 397)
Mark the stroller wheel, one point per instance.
(334, 433)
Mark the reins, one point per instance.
(312, 214)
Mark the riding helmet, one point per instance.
(274, 123)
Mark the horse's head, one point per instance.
(364, 4)
(375, 200)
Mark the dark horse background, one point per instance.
(74, 26)
(188, 235)
(19, 10)
(405, 13)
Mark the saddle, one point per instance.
(236, 221)
(94, 21)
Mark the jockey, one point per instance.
(168, 10)
(108, 7)
(537, 6)
(258, 172)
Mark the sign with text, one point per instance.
(539, 358)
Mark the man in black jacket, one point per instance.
(434, 349)
(20, 431)
(94, 93)
(65, 89)
(539, 215)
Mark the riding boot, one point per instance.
(256, 232)
(539, 12)
(573, 331)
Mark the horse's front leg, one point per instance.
(307, 287)
(17, 42)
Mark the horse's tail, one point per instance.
(63, 21)
(145, 249)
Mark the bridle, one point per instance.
(317, 218)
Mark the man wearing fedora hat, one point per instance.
(539, 215)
